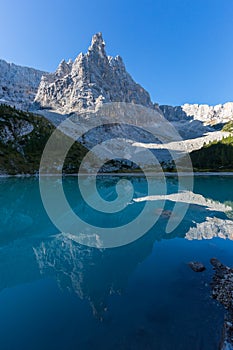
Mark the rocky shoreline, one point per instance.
(222, 291)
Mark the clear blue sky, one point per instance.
(179, 50)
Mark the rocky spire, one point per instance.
(94, 78)
(97, 45)
(63, 69)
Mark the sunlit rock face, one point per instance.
(92, 79)
(209, 115)
(18, 85)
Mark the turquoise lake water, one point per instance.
(58, 294)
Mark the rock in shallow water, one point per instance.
(196, 266)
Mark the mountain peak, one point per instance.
(97, 41)
(63, 69)
(97, 45)
(94, 78)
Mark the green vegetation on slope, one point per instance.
(228, 127)
(216, 156)
(23, 137)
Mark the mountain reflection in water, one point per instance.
(142, 292)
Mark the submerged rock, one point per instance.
(222, 284)
(196, 266)
(222, 290)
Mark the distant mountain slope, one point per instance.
(215, 156)
(209, 115)
(92, 79)
(22, 140)
(18, 85)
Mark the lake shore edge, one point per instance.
(166, 174)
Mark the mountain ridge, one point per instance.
(87, 82)
(18, 84)
(208, 114)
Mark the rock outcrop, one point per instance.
(92, 79)
(18, 85)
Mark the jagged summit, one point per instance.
(97, 44)
(92, 79)
(63, 68)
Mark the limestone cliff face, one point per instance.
(209, 115)
(18, 85)
(92, 79)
